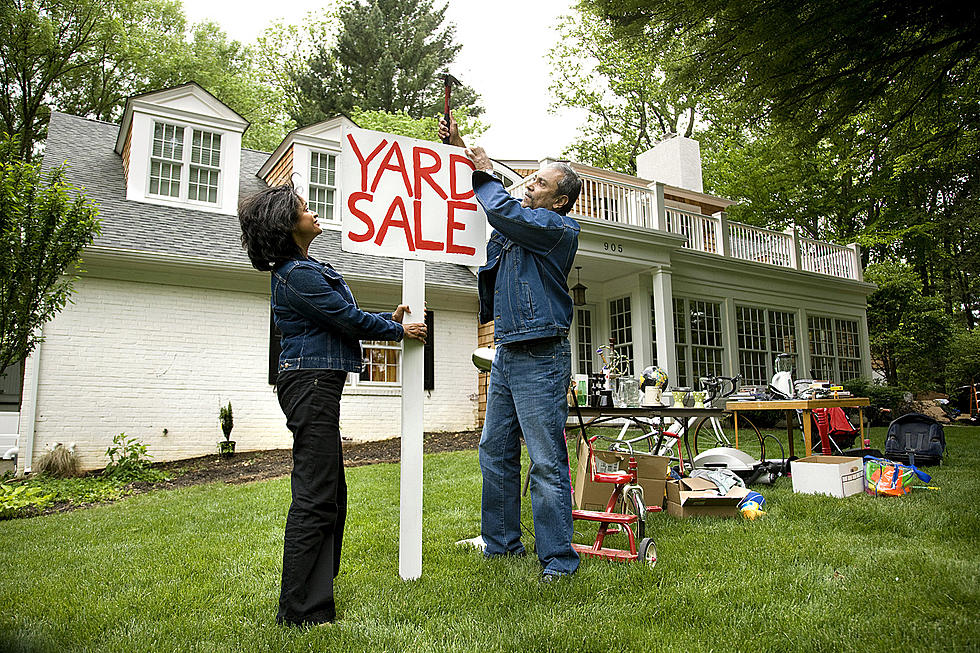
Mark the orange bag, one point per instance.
(891, 478)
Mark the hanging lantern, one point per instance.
(578, 290)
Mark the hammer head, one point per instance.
(449, 80)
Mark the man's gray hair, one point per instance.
(569, 184)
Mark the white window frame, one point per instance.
(186, 163)
(689, 348)
(832, 324)
(624, 348)
(768, 351)
(589, 366)
(334, 216)
(354, 380)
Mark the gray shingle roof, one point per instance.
(87, 146)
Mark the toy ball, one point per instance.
(753, 497)
(654, 377)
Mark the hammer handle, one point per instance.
(446, 113)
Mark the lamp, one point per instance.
(578, 290)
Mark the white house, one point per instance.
(169, 321)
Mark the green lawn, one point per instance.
(198, 570)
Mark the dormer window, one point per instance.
(323, 183)
(176, 149)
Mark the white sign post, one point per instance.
(409, 199)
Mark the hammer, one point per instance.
(449, 81)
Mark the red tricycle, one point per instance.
(632, 519)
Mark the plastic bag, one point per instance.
(890, 478)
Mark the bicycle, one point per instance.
(711, 432)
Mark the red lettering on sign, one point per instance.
(426, 172)
(421, 243)
(351, 201)
(453, 160)
(364, 162)
(386, 165)
(452, 225)
(389, 221)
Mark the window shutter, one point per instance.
(429, 365)
(275, 348)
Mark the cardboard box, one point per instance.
(651, 473)
(698, 497)
(838, 476)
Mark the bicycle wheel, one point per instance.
(713, 432)
(633, 505)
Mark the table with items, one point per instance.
(806, 406)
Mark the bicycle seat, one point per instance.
(612, 477)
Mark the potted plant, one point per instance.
(227, 447)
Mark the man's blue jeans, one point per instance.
(526, 395)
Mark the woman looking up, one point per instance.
(321, 328)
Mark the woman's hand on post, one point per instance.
(416, 331)
(399, 312)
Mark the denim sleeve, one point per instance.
(308, 293)
(537, 230)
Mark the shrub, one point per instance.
(16, 500)
(227, 420)
(129, 461)
(58, 462)
(883, 398)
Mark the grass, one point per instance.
(197, 569)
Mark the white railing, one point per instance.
(760, 245)
(827, 258)
(702, 231)
(638, 206)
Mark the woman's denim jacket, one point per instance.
(523, 286)
(319, 320)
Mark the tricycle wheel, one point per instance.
(633, 505)
(647, 551)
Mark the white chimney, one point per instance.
(675, 161)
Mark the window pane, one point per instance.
(583, 341)
(206, 149)
(621, 331)
(165, 178)
(653, 330)
(168, 141)
(203, 185)
(323, 173)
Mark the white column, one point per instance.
(724, 237)
(660, 208)
(794, 248)
(642, 328)
(730, 335)
(413, 367)
(858, 273)
(663, 297)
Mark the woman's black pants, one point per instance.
(310, 400)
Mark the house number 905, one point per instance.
(612, 247)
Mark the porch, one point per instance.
(646, 208)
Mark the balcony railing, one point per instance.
(639, 206)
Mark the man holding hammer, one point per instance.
(523, 290)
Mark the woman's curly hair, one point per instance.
(267, 220)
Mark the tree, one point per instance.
(386, 57)
(44, 225)
(403, 124)
(910, 333)
(621, 83)
(819, 63)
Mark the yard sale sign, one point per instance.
(411, 199)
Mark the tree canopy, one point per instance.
(386, 57)
(819, 62)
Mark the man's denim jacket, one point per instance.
(320, 322)
(523, 286)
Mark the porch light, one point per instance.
(578, 290)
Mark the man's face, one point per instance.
(542, 191)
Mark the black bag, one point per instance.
(915, 439)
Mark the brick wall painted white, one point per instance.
(140, 358)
